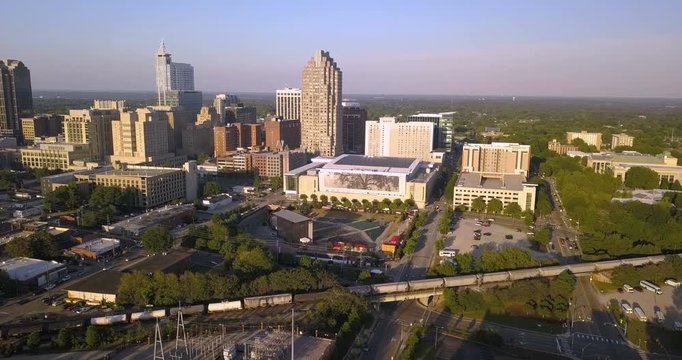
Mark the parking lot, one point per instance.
(493, 237)
(670, 303)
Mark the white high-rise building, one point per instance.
(288, 104)
(388, 137)
(171, 76)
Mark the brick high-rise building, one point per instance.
(321, 123)
(225, 139)
(282, 134)
(16, 97)
(252, 135)
(354, 118)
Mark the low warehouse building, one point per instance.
(291, 226)
(33, 272)
(96, 289)
(98, 248)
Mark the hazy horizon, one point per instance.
(580, 49)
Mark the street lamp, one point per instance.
(435, 344)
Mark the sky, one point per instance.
(584, 48)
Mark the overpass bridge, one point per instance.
(416, 289)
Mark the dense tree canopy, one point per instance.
(211, 188)
(38, 245)
(641, 178)
(62, 198)
(157, 239)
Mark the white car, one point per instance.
(673, 283)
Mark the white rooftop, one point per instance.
(99, 246)
(22, 269)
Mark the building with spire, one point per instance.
(175, 82)
(321, 117)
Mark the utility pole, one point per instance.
(158, 341)
(180, 327)
(292, 334)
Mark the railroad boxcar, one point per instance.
(268, 300)
(388, 288)
(189, 310)
(426, 284)
(108, 320)
(224, 306)
(464, 280)
(309, 297)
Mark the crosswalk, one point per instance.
(598, 338)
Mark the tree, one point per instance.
(211, 188)
(37, 245)
(513, 210)
(202, 158)
(449, 192)
(64, 339)
(93, 337)
(542, 236)
(276, 182)
(252, 263)
(157, 239)
(364, 276)
(478, 204)
(62, 198)
(641, 178)
(334, 200)
(304, 198)
(494, 206)
(324, 199)
(33, 341)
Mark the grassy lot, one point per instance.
(654, 338)
(514, 316)
(605, 287)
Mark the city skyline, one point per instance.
(494, 48)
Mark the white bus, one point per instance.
(640, 314)
(651, 287)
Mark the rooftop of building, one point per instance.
(161, 262)
(372, 163)
(23, 268)
(496, 145)
(632, 157)
(103, 282)
(497, 182)
(143, 173)
(151, 218)
(305, 168)
(99, 246)
(291, 216)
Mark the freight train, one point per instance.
(363, 290)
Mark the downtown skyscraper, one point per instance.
(321, 111)
(16, 97)
(172, 78)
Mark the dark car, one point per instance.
(487, 234)
(23, 301)
(509, 236)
